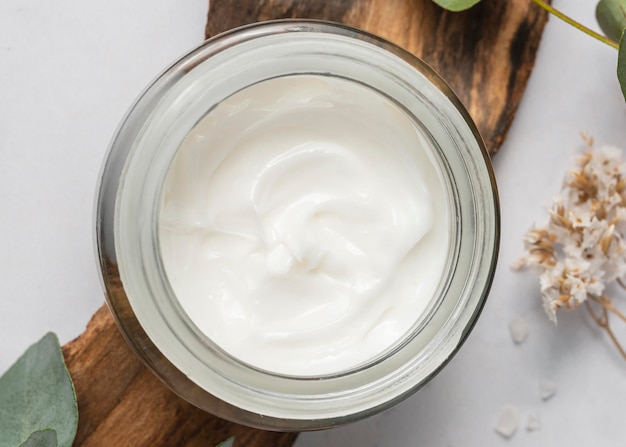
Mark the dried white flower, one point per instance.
(582, 248)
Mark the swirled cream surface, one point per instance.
(304, 227)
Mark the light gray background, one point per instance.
(68, 72)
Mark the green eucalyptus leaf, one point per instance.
(611, 16)
(42, 438)
(621, 63)
(456, 5)
(37, 394)
(227, 443)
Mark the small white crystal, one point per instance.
(533, 423)
(547, 388)
(519, 329)
(507, 421)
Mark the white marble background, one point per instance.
(68, 72)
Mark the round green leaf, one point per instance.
(456, 5)
(37, 394)
(621, 63)
(42, 438)
(611, 16)
(228, 443)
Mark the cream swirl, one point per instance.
(304, 228)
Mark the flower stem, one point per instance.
(603, 322)
(575, 24)
(607, 304)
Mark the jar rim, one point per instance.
(122, 173)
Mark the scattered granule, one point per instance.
(507, 421)
(547, 389)
(519, 329)
(533, 422)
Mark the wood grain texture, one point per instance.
(121, 403)
(486, 54)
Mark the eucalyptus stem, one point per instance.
(575, 24)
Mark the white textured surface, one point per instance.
(68, 72)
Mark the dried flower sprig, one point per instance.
(582, 249)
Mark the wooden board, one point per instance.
(486, 55)
(121, 403)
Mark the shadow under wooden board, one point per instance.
(486, 54)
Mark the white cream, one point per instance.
(304, 227)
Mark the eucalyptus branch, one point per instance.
(576, 24)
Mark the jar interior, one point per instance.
(305, 226)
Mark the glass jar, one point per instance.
(141, 299)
